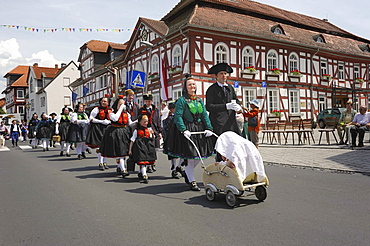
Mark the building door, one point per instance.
(341, 101)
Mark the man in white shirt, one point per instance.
(15, 131)
(361, 123)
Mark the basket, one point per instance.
(56, 138)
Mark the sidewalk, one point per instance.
(333, 157)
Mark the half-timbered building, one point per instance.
(290, 62)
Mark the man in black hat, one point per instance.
(221, 101)
(53, 121)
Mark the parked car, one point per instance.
(329, 112)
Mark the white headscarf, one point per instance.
(242, 152)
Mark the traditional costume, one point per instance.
(62, 126)
(43, 131)
(53, 122)
(131, 107)
(78, 130)
(116, 139)
(31, 130)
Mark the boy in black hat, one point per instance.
(221, 101)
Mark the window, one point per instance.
(293, 62)
(319, 39)
(32, 104)
(67, 101)
(123, 76)
(277, 29)
(356, 72)
(294, 101)
(248, 96)
(31, 85)
(341, 71)
(248, 57)
(323, 67)
(66, 81)
(272, 60)
(103, 81)
(20, 94)
(176, 56)
(221, 54)
(155, 64)
(112, 55)
(273, 100)
(322, 105)
(20, 109)
(156, 100)
(139, 66)
(42, 101)
(176, 94)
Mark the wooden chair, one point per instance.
(331, 126)
(307, 130)
(270, 130)
(293, 127)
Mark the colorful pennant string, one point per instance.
(68, 29)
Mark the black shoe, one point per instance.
(79, 157)
(125, 173)
(105, 165)
(72, 148)
(47, 148)
(83, 155)
(154, 168)
(101, 166)
(353, 145)
(140, 175)
(68, 155)
(341, 143)
(61, 153)
(144, 179)
(175, 174)
(88, 151)
(42, 149)
(149, 169)
(193, 186)
(360, 145)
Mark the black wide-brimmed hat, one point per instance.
(148, 96)
(220, 67)
(53, 114)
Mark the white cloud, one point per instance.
(11, 57)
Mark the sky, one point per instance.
(26, 47)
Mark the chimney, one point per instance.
(35, 64)
(63, 65)
(56, 66)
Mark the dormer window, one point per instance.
(277, 29)
(319, 39)
(364, 47)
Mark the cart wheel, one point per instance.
(231, 199)
(210, 194)
(261, 192)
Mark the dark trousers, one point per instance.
(360, 130)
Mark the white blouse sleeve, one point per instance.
(115, 116)
(134, 136)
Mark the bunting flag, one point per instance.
(85, 90)
(74, 96)
(68, 29)
(163, 78)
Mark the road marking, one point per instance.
(4, 149)
(23, 147)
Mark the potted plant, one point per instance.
(295, 73)
(174, 69)
(153, 75)
(359, 80)
(250, 69)
(275, 71)
(326, 76)
(276, 112)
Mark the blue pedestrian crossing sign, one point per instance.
(263, 83)
(236, 84)
(135, 78)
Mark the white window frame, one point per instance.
(156, 100)
(155, 64)
(322, 103)
(67, 101)
(42, 101)
(21, 92)
(176, 93)
(293, 62)
(323, 67)
(66, 81)
(294, 102)
(221, 53)
(248, 57)
(278, 31)
(341, 74)
(273, 100)
(356, 72)
(248, 95)
(272, 60)
(176, 56)
(139, 66)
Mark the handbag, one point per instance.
(56, 138)
(253, 122)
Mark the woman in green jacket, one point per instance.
(190, 116)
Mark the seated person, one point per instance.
(361, 123)
(345, 120)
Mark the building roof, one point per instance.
(159, 27)
(101, 46)
(255, 19)
(22, 80)
(45, 72)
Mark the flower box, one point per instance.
(295, 73)
(274, 71)
(326, 77)
(359, 80)
(175, 69)
(153, 76)
(277, 113)
(250, 70)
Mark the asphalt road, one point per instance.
(50, 200)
